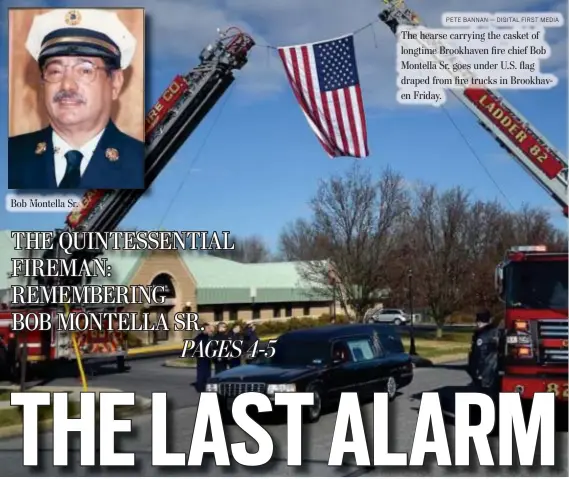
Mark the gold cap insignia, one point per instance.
(41, 147)
(112, 154)
(73, 17)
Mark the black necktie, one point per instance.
(72, 176)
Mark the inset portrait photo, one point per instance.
(76, 99)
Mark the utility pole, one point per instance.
(412, 348)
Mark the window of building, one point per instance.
(288, 312)
(233, 314)
(256, 312)
(306, 311)
(218, 314)
(277, 312)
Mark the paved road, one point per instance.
(145, 376)
(148, 375)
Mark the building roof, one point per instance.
(219, 281)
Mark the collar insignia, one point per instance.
(41, 147)
(112, 154)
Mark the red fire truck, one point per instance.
(178, 111)
(531, 281)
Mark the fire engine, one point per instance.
(531, 281)
(171, 120)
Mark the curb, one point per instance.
(141, 407)
(174, 363)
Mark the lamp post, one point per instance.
(412, 348)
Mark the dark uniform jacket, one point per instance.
(483, 361)
(117, 162)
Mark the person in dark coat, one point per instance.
(484, 357)
(236, 335)
(249, 338)
(221, 364)
(81, 57)
(203, 364)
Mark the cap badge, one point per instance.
(73, 17)
(112, 154)
(41, 147)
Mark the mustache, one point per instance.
(68, 95)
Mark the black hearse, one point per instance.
(329, 360)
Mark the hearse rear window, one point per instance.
(361, 349)
(392, 344)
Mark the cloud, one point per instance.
(179, 29)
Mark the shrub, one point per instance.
(269, 328)
(133, 340)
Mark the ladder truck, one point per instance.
(531, 281)
(171, 120)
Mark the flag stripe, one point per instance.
(324, 79)
(323, 112)
(362, 119)
(355, 147)
(357, 121)
(310, 89)
(287, 58)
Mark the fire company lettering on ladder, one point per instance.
(324, 78)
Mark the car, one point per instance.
(327, 361)
(395, 316)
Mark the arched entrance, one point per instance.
(168, 297)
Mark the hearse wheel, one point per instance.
(391, 388)
(313, 413)
(121, 364)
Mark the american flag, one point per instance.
(324, 78)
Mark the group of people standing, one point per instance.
(220, 332)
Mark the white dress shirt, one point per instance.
(60, 148)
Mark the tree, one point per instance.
(440, 262)
(350, 233)
(250, 249)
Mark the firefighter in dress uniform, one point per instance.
(484, 357)
(249, 339)
(203, 364)
(236, 335)
(82, 55)
(221, 364)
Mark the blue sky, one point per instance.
(261, 163)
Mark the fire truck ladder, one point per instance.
(103, 210)
(538, 157)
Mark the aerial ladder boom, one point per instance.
(511, 130)
(169, 123)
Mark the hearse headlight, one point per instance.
(281, 388)
(211, 388)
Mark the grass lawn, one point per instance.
(11, 416)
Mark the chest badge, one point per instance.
(41, 147)
(112, 154)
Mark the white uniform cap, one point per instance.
(81, 32)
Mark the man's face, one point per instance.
(78, 91)
(222, 328)
(208, 329)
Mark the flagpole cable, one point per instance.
(355, 32)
